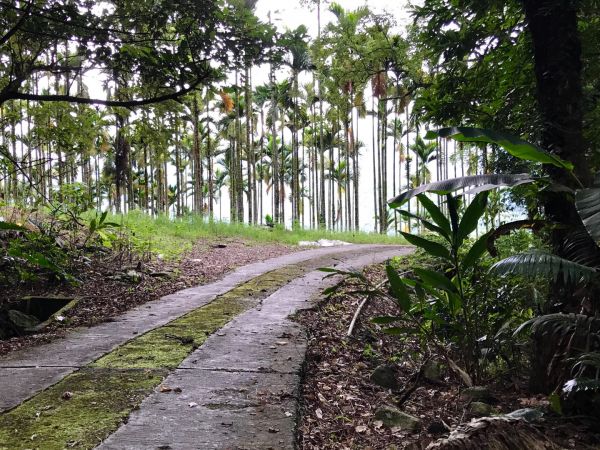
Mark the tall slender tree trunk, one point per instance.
(197, 172)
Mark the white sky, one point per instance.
(291, 14)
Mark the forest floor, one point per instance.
(340, 400)
(110, 285)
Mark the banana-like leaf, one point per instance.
(433, 248)
(491, 181)
(398, 288)
(476, 251)
(427, 224)
(436, 214)
(471, 217)
(512, 144)
(587, 202)
(541, 264)
(436, 280)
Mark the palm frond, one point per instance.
(579, 247)
(587, 202)
(581, 384)
(537, 263)
(559, 324)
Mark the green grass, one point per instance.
(172, 237)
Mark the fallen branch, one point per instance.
(359, 310)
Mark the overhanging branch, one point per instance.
(94, 101)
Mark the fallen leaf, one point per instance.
(378, 424)
(165, 388)
(319, 413)
(321, 398)
(360, 428)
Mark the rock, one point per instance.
(528, 414)
(432, 371)
(22, 320)
(498, 433)
(480, 409)
(384, 376)
(476, 393)
(134, 276)
(394, 418)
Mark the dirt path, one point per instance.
(230, 356)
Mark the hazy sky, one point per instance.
(291, 14)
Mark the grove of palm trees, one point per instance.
(306, 224)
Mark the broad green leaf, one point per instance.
(433, 248)
(436, 214)
(476, 251)
(398, 288)
(435, 279)
(488, 182)
(515, 146)
(453, 203)
(385, 320)
(587, 202)
(454, 302)
(398, 331)
(471, 217)
(430, 226)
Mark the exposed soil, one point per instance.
(339, 400)
(105, 291)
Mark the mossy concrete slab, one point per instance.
(229, 410)
(239, 390)
(81, 347)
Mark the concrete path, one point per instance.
(240, 389)
(27, 372)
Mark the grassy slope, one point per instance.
(172, 237)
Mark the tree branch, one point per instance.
(94, 101)
(4, 39)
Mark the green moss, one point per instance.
(105, 392)
(101, 399)
(170, 344)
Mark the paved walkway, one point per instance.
(238, 390)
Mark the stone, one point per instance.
(480, 409)
(384, 376)
(476, 393)
(527, 414)
(432, 371)
(394, 418)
